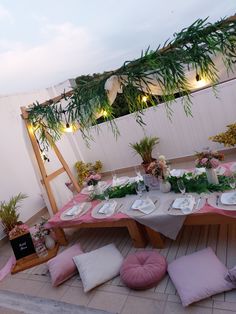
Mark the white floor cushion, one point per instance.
(99, 266)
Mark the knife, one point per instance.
(169, 208)
(217, 200)
(198, 202)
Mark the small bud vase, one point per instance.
(165, 186)
(49, 242)
(212, 176)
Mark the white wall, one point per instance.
(18, 167)
(182, 136)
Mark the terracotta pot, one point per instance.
(146, 165)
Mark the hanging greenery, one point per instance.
(192, 48)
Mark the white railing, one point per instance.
(180, 137)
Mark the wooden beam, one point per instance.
(54, 174)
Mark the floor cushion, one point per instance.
(198, 276)
(143, 270)
(62, 266)
(98, 266)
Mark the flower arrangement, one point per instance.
(209, 159)
(93, 179)
(85, 170)
(40, 230)
(18, 230)
(159, 168)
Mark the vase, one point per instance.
(49, 242)
(165, 186)
(212, 176)
(40, 248)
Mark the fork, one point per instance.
(169, 208)
(119, 208)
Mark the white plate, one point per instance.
(228, 198)
(220, 170)
(120, 181)
(76, 211)
(104, 209)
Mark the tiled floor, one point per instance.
(113, 296)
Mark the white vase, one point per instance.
(212, 176)
(165, 186)
(49, 242)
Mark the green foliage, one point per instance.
(9, 211)
(145, 147)
(192, 48)
(199, 184)
(118, 191)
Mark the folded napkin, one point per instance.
(75, 210)
(177, 172)
(107, 208)
(145, 206)
(228, 198)
(120, 181)
(185, 204)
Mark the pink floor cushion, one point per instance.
(143, 270)
(198, 276)
(62, 266)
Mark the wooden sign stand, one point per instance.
(47, 178)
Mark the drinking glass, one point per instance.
(114, 178)
(106, 195)
(232, 181)
(138, 172)
(139, 188)
(181, 186)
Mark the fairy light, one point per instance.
(144, 99)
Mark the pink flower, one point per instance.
(214, 162)
(204, 161)
(96, 177)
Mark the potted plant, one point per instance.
(144, 148)
(9, 212)
(17, 232)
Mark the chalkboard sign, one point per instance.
(22, 246)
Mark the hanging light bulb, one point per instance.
(68, 128)
(198, 77)
(144, 99)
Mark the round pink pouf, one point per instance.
(143, 270)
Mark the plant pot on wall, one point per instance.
(144, 148)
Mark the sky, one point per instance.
(43, 43)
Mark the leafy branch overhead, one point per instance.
(193, 48)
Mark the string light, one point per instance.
(144, 99)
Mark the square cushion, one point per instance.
(198, 276)
(98, 266)
(62, 266)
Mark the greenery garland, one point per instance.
(192, 48)
(199, 184)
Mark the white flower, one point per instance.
(162, 157)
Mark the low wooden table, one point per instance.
(197, 219)
(135, 230)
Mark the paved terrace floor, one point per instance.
(113, 296)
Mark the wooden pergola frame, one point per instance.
(47, 178)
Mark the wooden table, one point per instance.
(136, 231)
(197, 219)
